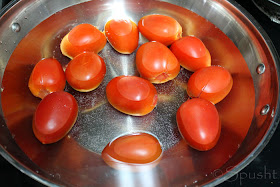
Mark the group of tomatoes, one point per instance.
(157, 61)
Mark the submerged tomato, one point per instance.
(156, 63)
(82, 38)
(133, 152)
(132, 95)
(163, 29)
(85, 72)
(54, 117)
(211, 83)
(191, 53)
(46, 77)
(122, 34)
(199, 124)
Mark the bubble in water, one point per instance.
(57, 175)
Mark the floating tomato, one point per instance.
(160, 28)
(199, 124)
(46, 77)
(191, 53)
(133, 152)
(85, 72)
(54, 117)
(212, 83)
(156, 63)
(122, 34)
(132, 95)
(84, 37)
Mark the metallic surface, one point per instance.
(75, 161)
(261, 69)
(270, 8)
(265, 110)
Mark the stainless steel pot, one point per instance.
(31, 30)
(270, 8)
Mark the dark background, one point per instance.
(263, 171)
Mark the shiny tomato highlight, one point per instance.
(46, 77)
(122, 34)
(161, 28)
(82, 38)
(54, 117)
(133, 152)
(199, 124)
(211, 83)
(191, 53)
(132, 95)
(156, 63)
(85, 72)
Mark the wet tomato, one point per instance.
(85, 72)
(211, 83)
(132, 95)
(199, 124)
(156, 63)
(46, 77)
(191, 53)
(54, 117)
(122, 34)
(160, 28)
(133, 152)
(84, 37)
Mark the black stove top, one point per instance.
(263, 171)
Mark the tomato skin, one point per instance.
(132, 95)
(46, 77)
(82, 38)
(161, 28)
(123, 35)
(54, 117)
(133, 152)
(211, 83)
(191, 53)
(199, 124)
(156, 63)
(85, 72)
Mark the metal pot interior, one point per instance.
(32, 30)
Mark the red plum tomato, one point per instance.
(132, 95)
(191, 53)
(85, 72)
(82, 38)
(122, 34)
(54, 117)
(156, 63)
(211, 83)
(199, 124)
(133, 152)
(160, 28)
(46, 77)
